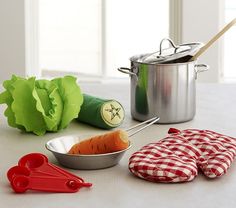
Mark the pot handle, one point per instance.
(200, 68)
(126, 70)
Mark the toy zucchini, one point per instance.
(105, 114)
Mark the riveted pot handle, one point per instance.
(126, 70)
(200, 68)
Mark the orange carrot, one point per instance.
(100, 144)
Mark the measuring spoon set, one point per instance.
(34, 172)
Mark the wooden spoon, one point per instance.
(216, 37)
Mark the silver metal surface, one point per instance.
(173, 54)
(171, 43)
(126, 70)
(141, 124)
(200, 68)
(166, 90)
(152, 121)
(60, 146)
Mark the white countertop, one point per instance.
(116, 186)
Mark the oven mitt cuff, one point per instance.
(101, 113)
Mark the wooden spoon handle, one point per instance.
(216, 37)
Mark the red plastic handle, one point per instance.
(38, 165)
(36, 173)
(21, 183)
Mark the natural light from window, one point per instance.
(95, 37)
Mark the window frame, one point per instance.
(184, 10)
(33, 45)
(32, 38)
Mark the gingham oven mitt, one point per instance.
(178, 157)
(218, 150)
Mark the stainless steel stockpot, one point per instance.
(164, 90)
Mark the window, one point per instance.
(95, 37)
(229, 43)
(138, 28)
(69, 35)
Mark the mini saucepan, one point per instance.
(60, 147)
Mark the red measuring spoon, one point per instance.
(22, 179)
(23, 183)
(38, 165)
(17, 170)
(38, 162)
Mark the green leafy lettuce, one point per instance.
(42, 105)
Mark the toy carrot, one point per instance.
(100, 144)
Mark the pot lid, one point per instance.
(173, 54)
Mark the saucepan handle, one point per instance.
(200, 68)
(126, 70)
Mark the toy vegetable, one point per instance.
(101, 113)
(101, 144)
(38, 106)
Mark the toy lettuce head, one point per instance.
(39, 106)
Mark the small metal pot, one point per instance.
(60, 147)
(164, 90)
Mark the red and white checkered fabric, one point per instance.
(177, 157)
(218, 151)
(172, 159)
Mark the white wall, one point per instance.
(12, 38)
(201, 20)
